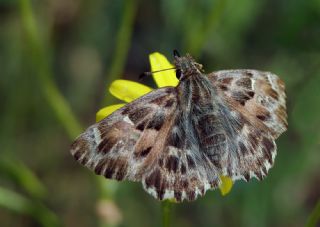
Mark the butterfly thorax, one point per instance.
(187, 66)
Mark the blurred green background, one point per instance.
(57, 58)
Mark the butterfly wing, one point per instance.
(123, 143)
(142, 142)
(178, 141)
(254, 114)
(261, 95)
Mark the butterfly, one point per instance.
(178, 141)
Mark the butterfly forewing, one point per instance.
(146, 141)
(122, 144)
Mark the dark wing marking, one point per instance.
(122, 144)
(143, 142)
(262, 94)
(252, 115)
(236, 147)
(182, 171)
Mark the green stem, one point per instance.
(314, 217)
(166, 207)
(43, 70)
(19, 173)
(122, 45)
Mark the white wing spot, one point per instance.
(97, 136)
(127, 119)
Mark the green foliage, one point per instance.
(314, 216)
(22, 205)
(17, 172)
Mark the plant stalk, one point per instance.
(166, 207)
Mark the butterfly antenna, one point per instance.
(142, 75)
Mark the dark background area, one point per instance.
(57, 59)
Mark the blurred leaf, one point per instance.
(314, 218)
(122, 44)
(23, 176)
(14, 201)
(203, 23)
(228, 40)
(306, 110)
(40, 61)
(22, 205)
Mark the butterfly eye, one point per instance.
(176, 53)
(178, 73)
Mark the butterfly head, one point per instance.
(185, 66)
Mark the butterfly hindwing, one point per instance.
(182, 171)
(254, 105)
(260, 94)
(177, 175)
(239, 149)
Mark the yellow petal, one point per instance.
(127, 90)
(226, 185)
(165, 78)
(104, 112)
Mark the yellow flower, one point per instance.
(226, 185)
(128, 91)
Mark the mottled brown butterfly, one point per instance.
(178, 141)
